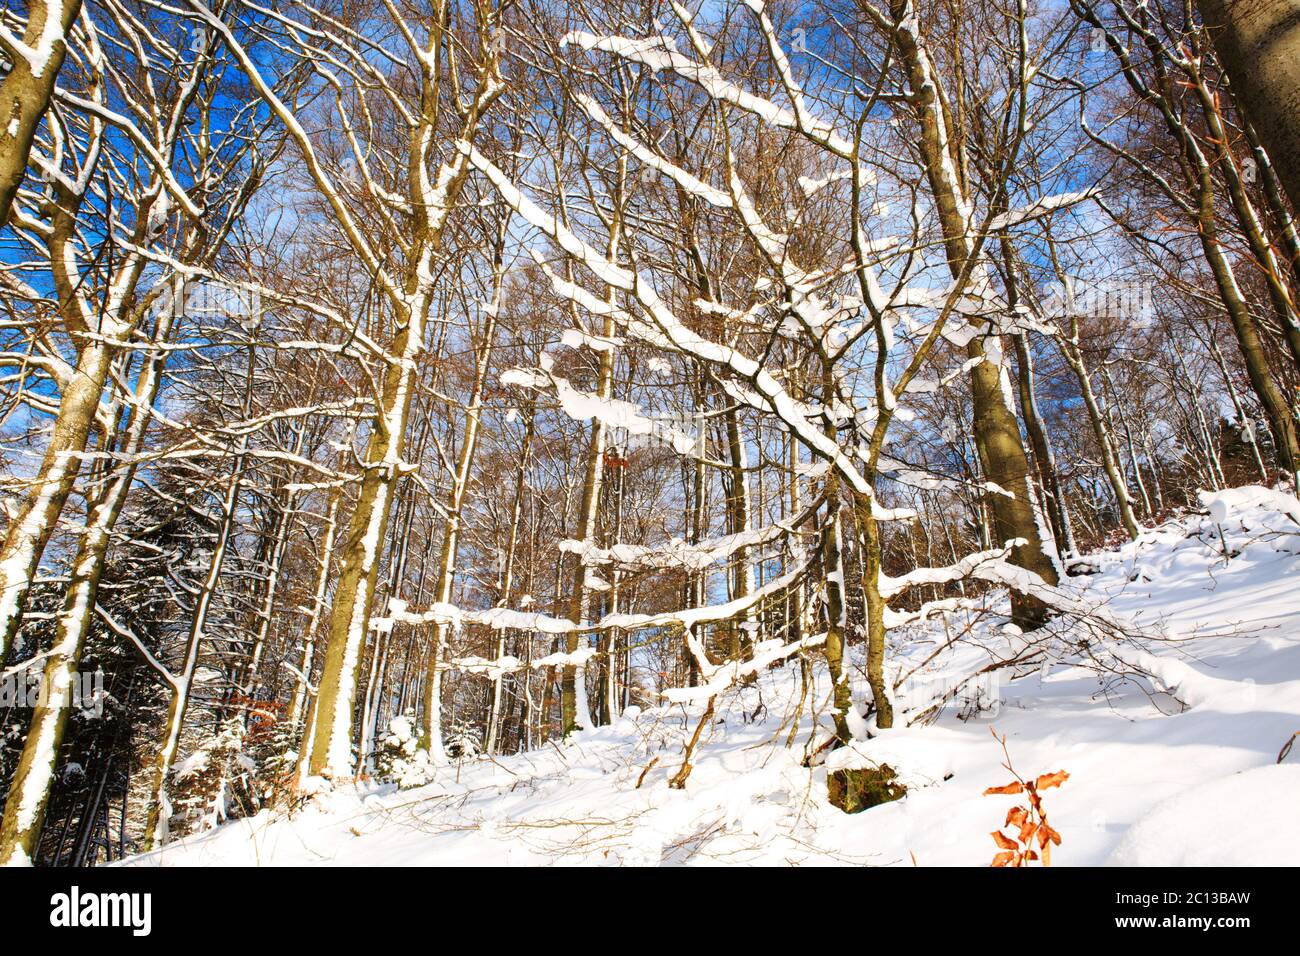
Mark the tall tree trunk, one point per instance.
(354, 595)
(1275, 278)
(331, 753)
(93, 328)
(1281, 419)
(431, 725)
(1259, 44)
(37, 514)
(1100, 432)
(872, 561)
(832, 554)
(574, 709)
(29, 790)
(1053, 496)
(508, 571)
(1122, 413)
(26, 90)
(182, 683)
(427, 204)
(302, 686)
(996, 432)
(399, 550)
(610, 705)
(283, 524)
(1248, 426)
(739, 509)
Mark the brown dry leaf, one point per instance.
(1016, 787)
(1048, 780)
(1002, 840)
(1002, 859)
(1016, 816)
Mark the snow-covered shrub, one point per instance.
(275, 752)
(400, 759)
(463, 742)
(216, 782)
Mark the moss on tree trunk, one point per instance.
(861, 789)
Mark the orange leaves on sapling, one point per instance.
(1030, 821)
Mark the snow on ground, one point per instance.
(1183, 772)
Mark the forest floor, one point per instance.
(1181, 769)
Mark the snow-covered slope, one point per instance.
(1181, 770)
